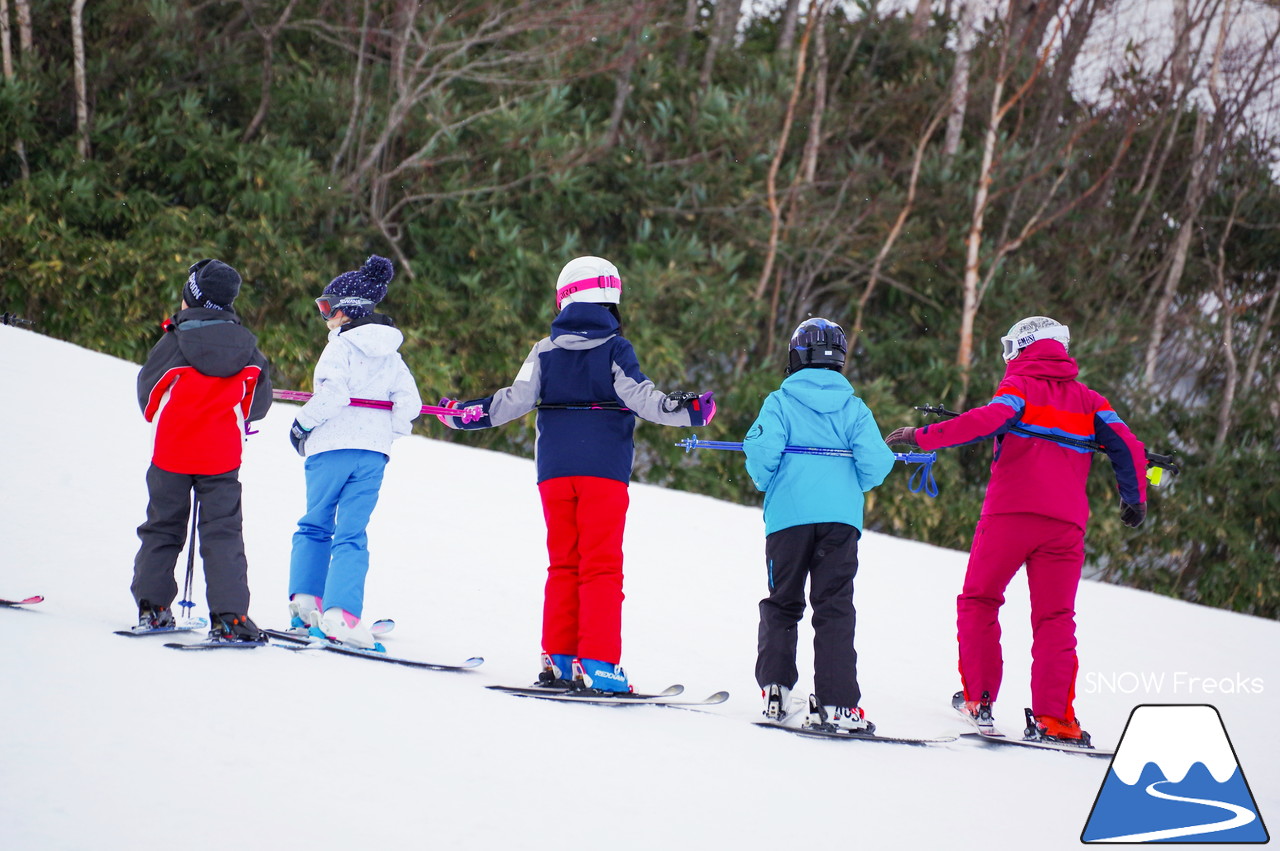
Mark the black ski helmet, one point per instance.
(817, 342)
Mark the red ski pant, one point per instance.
(582, 606)
(1053, 551)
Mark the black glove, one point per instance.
(904, 436)
(298, 437)
(677, 400)
(1133, 515)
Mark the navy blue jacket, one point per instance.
(583, 362)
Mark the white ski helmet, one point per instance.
(1027, 331)
(591, 279)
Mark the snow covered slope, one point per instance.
(113, 743)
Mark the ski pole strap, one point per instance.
(1157, 464)
(921, 478)
(584, 406)
(427, 410)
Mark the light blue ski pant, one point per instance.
(331, 547)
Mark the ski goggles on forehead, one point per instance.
(828, 337)
(1015, 343)
(329, 306)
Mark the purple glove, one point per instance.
(707, 404)
(471, 413)
(446, 402)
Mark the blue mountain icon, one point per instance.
(1175, 778)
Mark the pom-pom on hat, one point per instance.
(592, 279)
(356, 293)
(211, 284)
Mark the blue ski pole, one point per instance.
(921, 478)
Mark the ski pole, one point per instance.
(186, 603)
(1156, 463)
(302, 396)
(921, 478)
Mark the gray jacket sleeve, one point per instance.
(638, 393)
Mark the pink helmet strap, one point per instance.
(604, 282)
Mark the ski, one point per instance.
(30, 601)
(311, 642)
(998, 738)
(668, 697)
(545, 691)
(302, 635)
(862, 737)
(216, 644)
(138, 631)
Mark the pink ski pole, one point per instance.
(468, 414)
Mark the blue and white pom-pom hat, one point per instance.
(358, 292)
(1033, 329)
(590, 279)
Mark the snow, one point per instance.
(117, 743)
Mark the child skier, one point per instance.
(587, 384)
(1034, 513)
(201, 384)
(346, 450)
(813, 519)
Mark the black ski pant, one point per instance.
(827, 555)
(221, 539)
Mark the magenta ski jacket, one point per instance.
(1034, 474)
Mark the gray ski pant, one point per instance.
(164, 534)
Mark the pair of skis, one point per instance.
(791, 710)
(992, 736)
(670, 696)
(302, 641)
(294, 641)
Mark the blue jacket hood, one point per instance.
(582, 321)
(823, 390)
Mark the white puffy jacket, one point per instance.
(361, 362)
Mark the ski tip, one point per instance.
(718, 697)
(27, 602)
(473, 662)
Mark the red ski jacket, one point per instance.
(1034, 475)
(200, 384)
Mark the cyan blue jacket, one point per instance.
(584, 361)
(815, 407)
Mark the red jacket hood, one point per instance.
(1046, 359)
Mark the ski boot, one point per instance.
(554, 668)
(229, 626)
(345, 628)
(1046, 728)
(154, 617)
(836, 719)
(979, 712)
(594, 676)
(777, 702)
(300, 608)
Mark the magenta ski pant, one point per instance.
(1053, 551)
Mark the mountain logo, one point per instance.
(1175, 778)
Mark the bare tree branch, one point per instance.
(268, 35)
